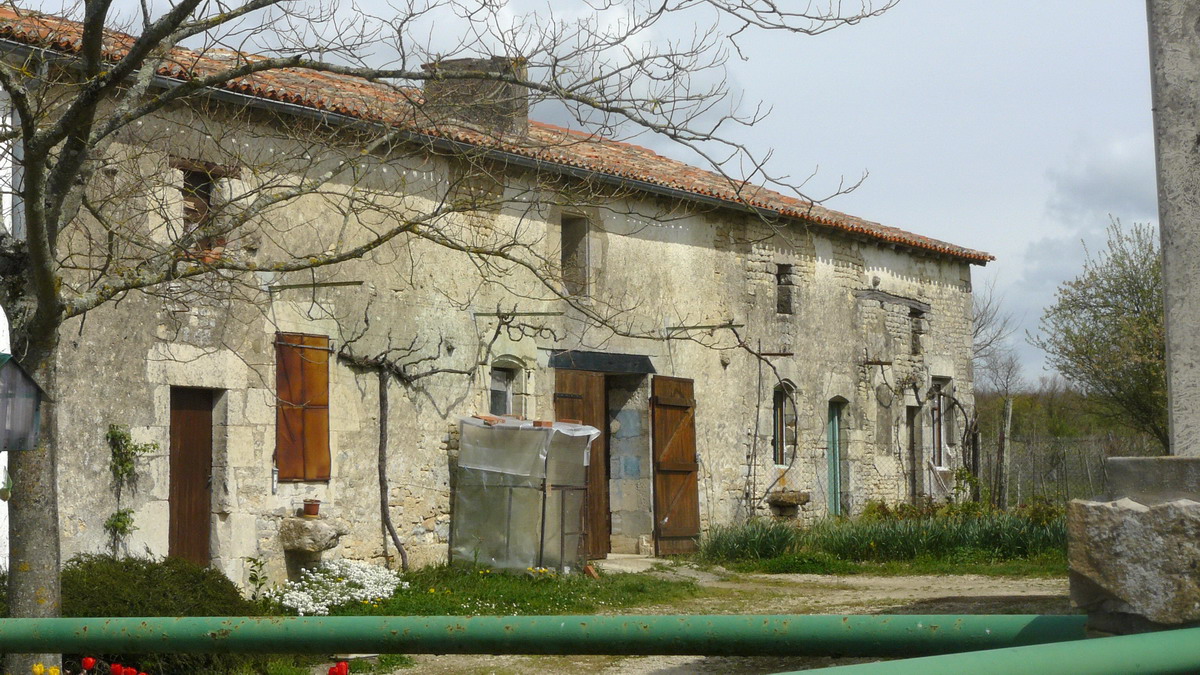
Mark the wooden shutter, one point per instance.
(302, 393)
(676, 471)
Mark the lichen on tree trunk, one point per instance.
(33, 580)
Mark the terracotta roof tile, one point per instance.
(380, 102)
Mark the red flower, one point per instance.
(343, 668)
(332, 670)
(88, 663)
(116, 669)
(129, 670)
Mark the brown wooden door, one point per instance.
(579, 395)
(676, 472)
(191, 474)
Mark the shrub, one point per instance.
(752, 540)
(105, 585)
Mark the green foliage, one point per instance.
(753, 540)
(805, 563)
(257, 577)
(103, 585)
(463, 590)
(966, 536)
(986, 536)
(1105, 331)
(122, 464)
(123, 456)
(118, 526)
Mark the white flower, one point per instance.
(337, 583)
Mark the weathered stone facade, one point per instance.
(863, 332)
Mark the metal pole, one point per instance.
(735, 635)
(1171, 651)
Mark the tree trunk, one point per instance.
(385, 514)
(33, 576)
(1002, 457)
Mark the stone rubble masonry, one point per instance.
(666, 263)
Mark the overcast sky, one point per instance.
(1015, 127)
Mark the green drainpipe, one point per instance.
(1161, 653)
(701, 635)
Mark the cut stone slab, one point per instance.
(1127, 558)
(310, 535)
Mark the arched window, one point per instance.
(783, 423)
(506, 391)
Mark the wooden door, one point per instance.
(190, 494)
(579, 396)
(676, 472)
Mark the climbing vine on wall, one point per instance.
(122, 464)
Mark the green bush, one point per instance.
(105, 585)
(752, 540)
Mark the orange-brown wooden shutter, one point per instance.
(302, 421)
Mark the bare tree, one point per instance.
(106, 123)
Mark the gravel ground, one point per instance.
(780, 594)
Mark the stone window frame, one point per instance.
(506, 385)
(198, 187)
(941, 420)
(785, 288)
(783, 435)
(575, 263)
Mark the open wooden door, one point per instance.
(676, 472)
(190, 497)
(579, 396)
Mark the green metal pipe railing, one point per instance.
(736, 635)
(1161, 653)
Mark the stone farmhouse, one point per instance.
(743, 352)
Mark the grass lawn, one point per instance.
(1044, 565)
(452, 590)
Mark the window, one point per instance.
(302, 404)
(198, 189)
(504, 392)
(783, 423)
(784, 289)
(942, 419)
(574, 263)
(916, 320)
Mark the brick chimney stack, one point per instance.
(489, 104)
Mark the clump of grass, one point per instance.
(459, 590)
(988, 537)
(752, 540)
(966, 537)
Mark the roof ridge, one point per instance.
(374, 101)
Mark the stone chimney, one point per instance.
(485, 103)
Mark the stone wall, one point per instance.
(671, 273)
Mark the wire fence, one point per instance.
(1053, 468)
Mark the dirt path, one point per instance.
(782, 594)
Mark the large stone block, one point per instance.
(309, 535)
(1127, 558)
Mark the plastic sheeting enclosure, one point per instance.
(519, 493)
